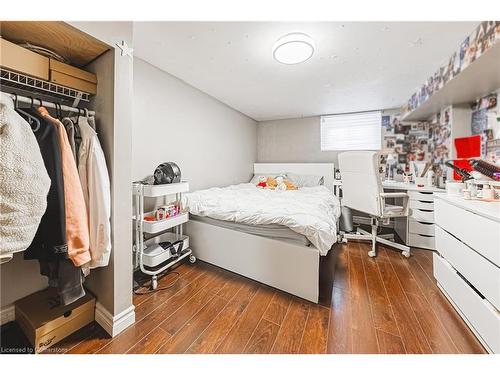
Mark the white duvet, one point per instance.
(310, 211)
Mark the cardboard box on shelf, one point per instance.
(69, 76)
(19, 59)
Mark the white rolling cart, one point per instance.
(153, 260)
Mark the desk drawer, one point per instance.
(480, 272)
(421, 195)
(424, 205)
(421, 240)
(479, 313)
(426, 216)
(478, 232)
(420, 227)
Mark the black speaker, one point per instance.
(167, 173)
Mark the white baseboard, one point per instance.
(113, 325)
(8, 314)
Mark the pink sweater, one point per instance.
(77, 227)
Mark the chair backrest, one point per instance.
(361, 185)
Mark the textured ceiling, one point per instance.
(357, 66)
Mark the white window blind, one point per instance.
(351, 131)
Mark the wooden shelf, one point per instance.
(64, 39)
(477, 80)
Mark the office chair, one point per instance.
(362, 191)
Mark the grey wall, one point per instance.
(293, 140)
(213, 144)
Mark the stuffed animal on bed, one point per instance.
(278, 183)
(262, 182)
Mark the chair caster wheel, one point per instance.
(192, 259)
(406, 254)
(372, 254)
(154, 283)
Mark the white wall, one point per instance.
(213, 144)
(293, 140)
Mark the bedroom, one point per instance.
(257, 187)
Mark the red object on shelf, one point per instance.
(468, 147)
(464, 164)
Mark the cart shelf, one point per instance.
(152, 191)
(162, 225)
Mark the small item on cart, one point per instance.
(171, 210)
(160, 214)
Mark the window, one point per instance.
(351, 131)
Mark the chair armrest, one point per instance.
(406, 200)
(394, 195)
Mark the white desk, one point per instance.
(418, 229)
(410, 187)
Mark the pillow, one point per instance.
(256, 177)
(305, 180)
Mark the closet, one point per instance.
(95, 75)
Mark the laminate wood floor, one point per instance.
(385, 305)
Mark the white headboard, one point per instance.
(326, 170)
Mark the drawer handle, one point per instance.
(423, 235)
(425, 210)
(426, 201)
(425, 192)
(68, 313)
(421, 222)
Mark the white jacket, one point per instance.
(96, 190)
(24, 182)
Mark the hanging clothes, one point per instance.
(77, 230)
(24, 182)
(66, 278)
(94, 177)
(70, 132)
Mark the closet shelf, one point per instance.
(477, 80)
(31, 84)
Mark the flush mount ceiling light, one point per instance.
(293, 48)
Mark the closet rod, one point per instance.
(47, 104)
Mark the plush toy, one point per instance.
(262, 182)
(280, 184)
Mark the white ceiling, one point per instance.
(357, 66)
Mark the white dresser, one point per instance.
(467, 263)
(417, 230)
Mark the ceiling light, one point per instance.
(293, 48)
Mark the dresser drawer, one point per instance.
(480, 272)
(479, 233)
(427, 196)
(480, 314)
(426, 216)
(421, 240)
(420, 227)
(424, 205)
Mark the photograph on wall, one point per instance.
(479, 121)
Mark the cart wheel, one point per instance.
(372, 254)
(154, 283)
(192, 259)
(406, 254)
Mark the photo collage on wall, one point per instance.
(476, 44)
(423, 141)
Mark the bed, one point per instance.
(280, 238)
